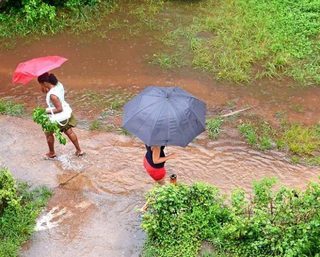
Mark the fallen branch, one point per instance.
(69, 179)
(235, 112)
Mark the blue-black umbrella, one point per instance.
(165, 116)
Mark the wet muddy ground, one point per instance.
(94, 213)
(94, 208)
(115, 63)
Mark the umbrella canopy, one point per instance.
(165, 116)
(33, 68)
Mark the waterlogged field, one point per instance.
(237, 40)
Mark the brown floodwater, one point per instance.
(116, 62)
(93, 211)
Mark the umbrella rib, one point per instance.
(197, 117)
(155, 123)
(174, 110)
(138, 113)
(143, 124)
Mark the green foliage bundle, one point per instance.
(19, 209)
(41, 117)
(274, 223)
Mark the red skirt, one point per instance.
(155, 173)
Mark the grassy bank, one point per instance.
(237, 40)
(234, 40)
(300, 142)
(40, 17)
(273, 223)
(19, 208)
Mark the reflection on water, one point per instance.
(94, 213)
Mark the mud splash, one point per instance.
(94, 213)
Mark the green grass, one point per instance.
(301, 142)
(11, 108)
(166, 61)
(107, 100)
(19, 208)
(98, 125)
(214, 127)
(238, 40)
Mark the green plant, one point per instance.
(17, 218)
(95, 125)
(8, 190)
(248, 131)
(214, 127)
(301, 140)
(283, 222)
(10, 108)
(259, 134)
(41, 117)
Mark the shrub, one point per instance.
(19, 209)
(274, 223)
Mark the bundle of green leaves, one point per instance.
(41, 117)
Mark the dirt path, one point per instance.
(94, 213)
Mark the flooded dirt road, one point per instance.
(94, 214)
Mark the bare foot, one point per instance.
(79, 153)
(50, 155)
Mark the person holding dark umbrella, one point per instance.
(162, 116)
(154, 162)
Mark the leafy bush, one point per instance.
(274, 223)
(41, 17)
(180, 217)
(20, 208)
(8, 190)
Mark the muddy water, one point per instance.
(93, 211)
(97, 64)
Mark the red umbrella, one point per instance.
(33, 68)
